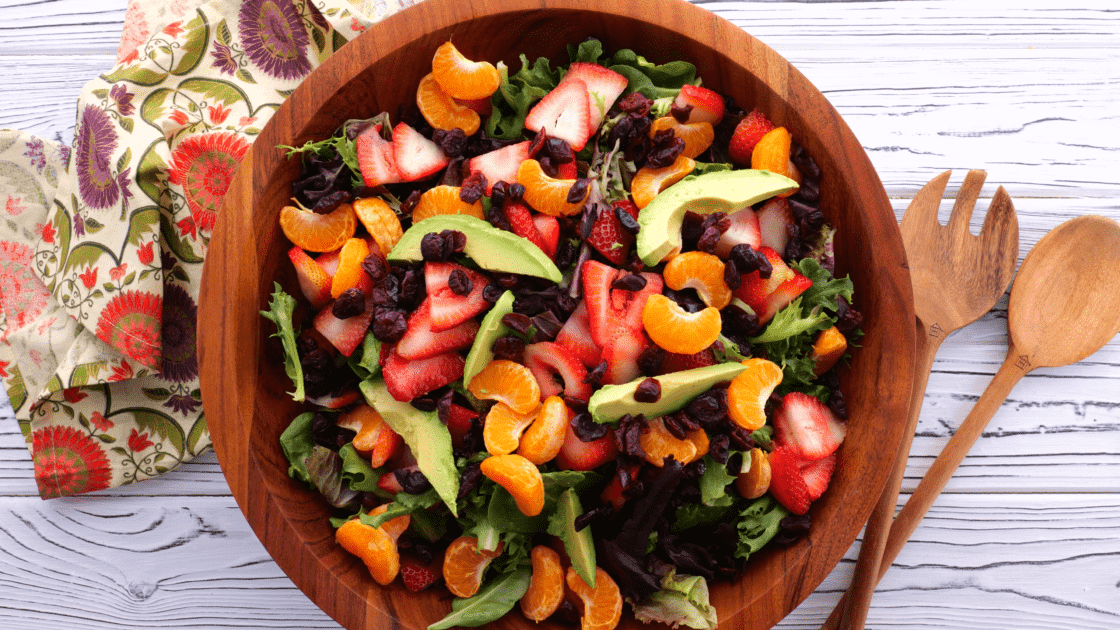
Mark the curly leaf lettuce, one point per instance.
(281, 312)
(682, 601)
(758, 523)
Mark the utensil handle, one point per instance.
(951, 456)
(851, 612)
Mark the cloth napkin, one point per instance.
(102, 243)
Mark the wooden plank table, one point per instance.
(1027, 535)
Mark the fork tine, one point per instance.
(1001, 230)
(923, 207)
(966, 201)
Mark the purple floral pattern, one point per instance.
(180, 362)
(274, 37)
(95, 140)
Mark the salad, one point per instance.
(567, 338)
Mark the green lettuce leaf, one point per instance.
(691, 515)
(280, 312)
(822, 295)
(758, 523)
(493, 601)
(324, 467)
(364, 361)
(588, 51)
(682, 601)
(403, 503)
(792, 321)
(713, 483)
(358, 474)
(652, 80)
(297, 444)
(516, 94)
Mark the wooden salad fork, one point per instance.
(957, 278)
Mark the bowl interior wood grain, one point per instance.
(243, 382)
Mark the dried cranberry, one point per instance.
(455, 240)
(741, 438)
(305, 346)
(453, 142)
(492, 293)
(460, 283)
(498, 193)
(566, 303)
(719, 447)
(412, 288)
(510, 281)
(837, 405)
(738, 320)
(548, 166)
(351, 303)
(388, 325)
(586, 429)
(649, 361)
(328, 202)
(375, 266)
(680, 112)
(666, 147)
(595, 376)
(748, 259)
(648, 391)
(470, 479)
(432, 248)
(578, 190)
(559, 150)
(731, 277)
(538, 143)
(452, 175)
(630, 282)
(547, 325)
(627, 436)
(473, 187)
(850, 318)
(509, 348)
(516, 192)
(708, 239)
(635, 103)
(629, 223)
(517, 321)
(565, 254)
(709, 408)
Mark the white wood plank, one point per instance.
(41, 92)
(76, 27)
(995, 561)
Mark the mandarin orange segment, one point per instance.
(754, 480)
(542, 442)
(676, 330)
(520, 477)
(546, 586)
(502, 429)
(441, 111)
(318, 232)
(700, 271)
(380, 221)
(374, 545)
(602, 605)
(545, 194)
(697, 136)
(462, 78)
(658, 443)
(508, 382)
(699, 439)
(464, 564)
(772, 154)
(349, 272)
(394, 527)
(375, 439)
(827, 350)
(444, 200)
(648, 182)
(749, 391)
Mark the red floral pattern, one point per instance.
(204, 166)
(131, 323)
(68, 461)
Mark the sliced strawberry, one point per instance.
(417, 575)
(786, 483)
(621, 354)
(388, 482)
(314, 283)
(406, 380)
(603, 88)
(344, 334)
(707, 106)
(563, 113)
(549, 361)
(613, 493)
(767, 297)
(521, 223)
(614, 312)
(744, 229)
(774, 219)
(576, 337)
(807, 427)
(608, 237)
(549, 229)
(578, 455)
(747, 134)
(416, 156)
(500, 165)
(328, 261)
(567, 170)
(629, 206)
(817, 475)
(681, 362)
(330, 401)
(421, 342)
(375, 158)
(459, 422)
(450, 309)
(482, 106)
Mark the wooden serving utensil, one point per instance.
(1065, 305)
(957, 278)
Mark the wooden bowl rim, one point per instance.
(231, 428)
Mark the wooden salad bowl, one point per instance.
(243, 382)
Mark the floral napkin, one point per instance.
(102, 244)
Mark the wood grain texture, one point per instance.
(1017, 540)
(247, 413)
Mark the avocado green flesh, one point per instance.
(491, 329)
(677, 390)
(491, 248)
(721, 191)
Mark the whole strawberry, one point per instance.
(747, 134)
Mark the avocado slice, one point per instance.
(425, 435)
(493, 249)
(677, 390)
(721, 191)
(491, 329)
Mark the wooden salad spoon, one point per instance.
(1065, 305)
(957, 278)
